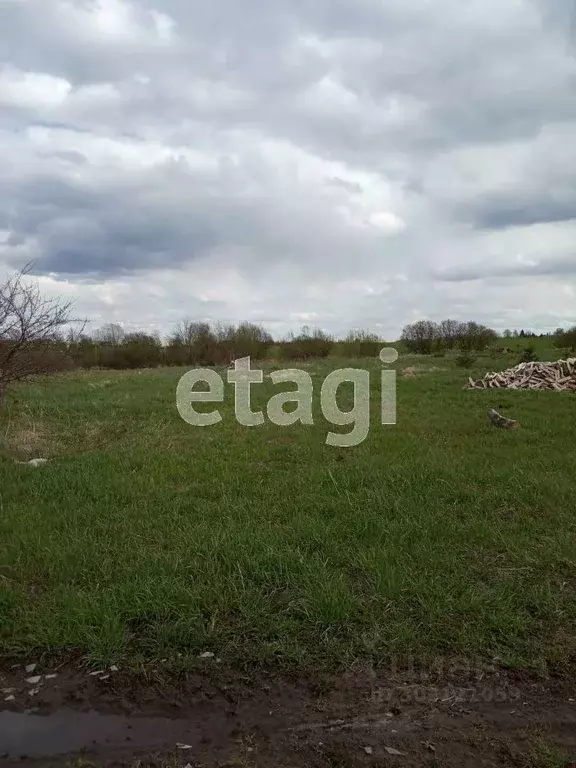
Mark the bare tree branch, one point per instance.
(30, 330)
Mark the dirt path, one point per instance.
(214, 718)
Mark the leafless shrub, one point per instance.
(30, 326)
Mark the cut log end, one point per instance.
(501, 421)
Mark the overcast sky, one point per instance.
(336, 163)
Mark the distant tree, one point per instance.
(507, 333)
(566, 339)
(141, 350)
(307, 344)
(421, 336)
(476, 337)
(450, 332)
(189, 338)
(82, 348)
(111, 333)
(360, 343)
(313, 343)
(248, 340)
(30, 331)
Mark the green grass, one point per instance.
(145, 537)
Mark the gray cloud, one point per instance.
(559, 267)
(318, 148)
(499, 213)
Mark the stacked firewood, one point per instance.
(560, 375)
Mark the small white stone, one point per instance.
(114, 668)
(10, 698)
(392, 751)
(34, 680)
(30, 668)
(368, 750)
(183, 746)
(97, 672)
(51, 677)
(206, 655)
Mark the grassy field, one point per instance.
(145, 537)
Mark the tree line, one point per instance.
(39, 335)
(427, 337)
(197, 343)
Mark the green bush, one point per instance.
(529, 355)
(465, 360)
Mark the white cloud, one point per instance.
(115, 22)
(35, 90)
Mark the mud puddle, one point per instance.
(363, 718)
(65, 732)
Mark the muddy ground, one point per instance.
(213, 717)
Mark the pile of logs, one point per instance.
(560, 375)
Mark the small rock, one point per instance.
(104, 677)
(368, 750)
(33, 691)
(392, 751)
(37, 462)
(187, 765)
(97, 672)
(8, 690)
(30, 668)
(34, 680)
(114, 668)
(206, 655)
(183, 746)
(51, 677)
(10, 698)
